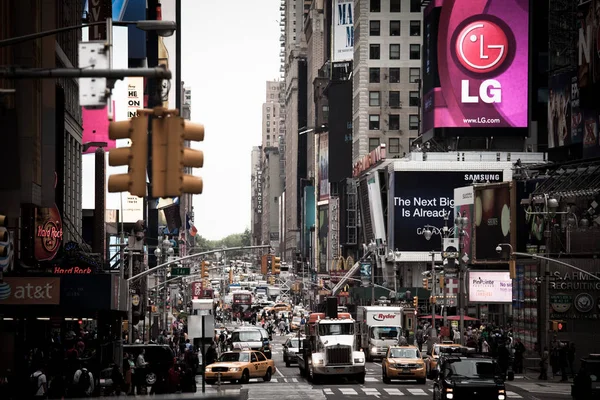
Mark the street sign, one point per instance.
(180, 271)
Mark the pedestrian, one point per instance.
(544, 360)
(211, 354)
(83, 383)
(571, 359)
(563, 362)
(39, 384)
(519, 352)
(419, 337)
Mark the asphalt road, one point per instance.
(287, 384)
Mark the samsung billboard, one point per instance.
(423, 198)
(475, 64)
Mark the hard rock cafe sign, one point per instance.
(48, 233)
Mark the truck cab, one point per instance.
(330, 349)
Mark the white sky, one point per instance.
(229, 50)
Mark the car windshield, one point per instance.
(473, 368)
(403, 353)
(234, 357)
(336, 329)
(295, 343)
(384, 332)
(246, 336)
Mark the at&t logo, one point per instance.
(481, 48)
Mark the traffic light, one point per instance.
(178, 157)
(416, 301)
(204, 270)
(512, 268)
(135, 156)
(230, 275)
(558, 326)
(263, 265)
(426, 283)
(269, 263)
(276, 265)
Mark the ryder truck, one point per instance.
(379, 328)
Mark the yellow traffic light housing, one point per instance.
(204, 270)
(179, 157)
(441, 282)
(231, 275)
(135, 156)
(416, 301)
(426, 283)
(276, 265)
(263, 265)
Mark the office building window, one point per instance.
(413, 122)
(394, 75)
(395, 6)
(414, 75)
(374, 28)
(268, 116)
(415, 6)
(413, 99)
(394, 144)
(374, 99)
(374, 75)
(394, 28)
(373, 143)
(375, 5)
(394, 51)
(394, 122)
(268, 137)
(373, 122)
(415, 28)
(415, 51)
(268, 109)
(394, 99)
(374, 52)
(268, 130)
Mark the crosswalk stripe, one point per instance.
(417, 392)
(394, 392)
(348, 391)
(294, 379)
(370, 379)
(513, 395)
(371, 391)
(327, 391)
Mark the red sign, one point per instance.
(482, 47)
(48, 233)
(72, 271)
(369, 160)
(196, 290)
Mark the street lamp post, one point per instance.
(461, 222)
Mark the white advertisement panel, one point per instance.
(490, 287)
(343, 30)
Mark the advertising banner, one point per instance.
(417, 205)
(494, 209)
(30, 291)
(464, 202)
(564, 114)
(342, 31)
(480, 50)
(490, 287)
(323, 262)
(334, 229)
(323, 166)
(196, 290)
(48, 233)
(588, 56)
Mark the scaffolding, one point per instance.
(562, 35)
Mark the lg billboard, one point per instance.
(475, 66)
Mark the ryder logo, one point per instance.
(482, 48)
(382, 317)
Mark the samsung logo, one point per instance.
(482, 177)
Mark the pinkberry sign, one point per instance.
(475, 57)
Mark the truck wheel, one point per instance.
(360, 378)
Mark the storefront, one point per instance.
(43, 314)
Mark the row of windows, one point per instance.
(393, 145)
(396, 6)
(375, 28)
(375, 51)
(414, 74)
(393, 99)
(393, 122)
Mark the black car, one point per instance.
(463, 375)
(159, 359)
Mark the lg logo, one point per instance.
(482, 48)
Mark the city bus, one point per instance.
(242, 305)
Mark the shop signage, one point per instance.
(374, 157)
(72, 271)
(574, 281)
(29, 291)
(48, 233)
(584, 302)
(561, 302)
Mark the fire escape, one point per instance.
(562, 35)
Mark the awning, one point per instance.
(429, 317)
(457, 318)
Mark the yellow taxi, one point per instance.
(404, 363)
(240, 366)
(434, 354)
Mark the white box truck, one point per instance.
(379, 328)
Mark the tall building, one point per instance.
(387, 72)
(271, 122)
(293, 14)
(256, 195)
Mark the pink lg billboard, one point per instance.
(475, 64)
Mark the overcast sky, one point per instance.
(230, 49)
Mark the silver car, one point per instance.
(291, 348)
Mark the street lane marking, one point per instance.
(371, 392)
(376, 363)
(348, 391)
(513, 395)
(370, 379)
(294, 379)
(417, 392)
(394, 392)
(279, 372)
(327, 391)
